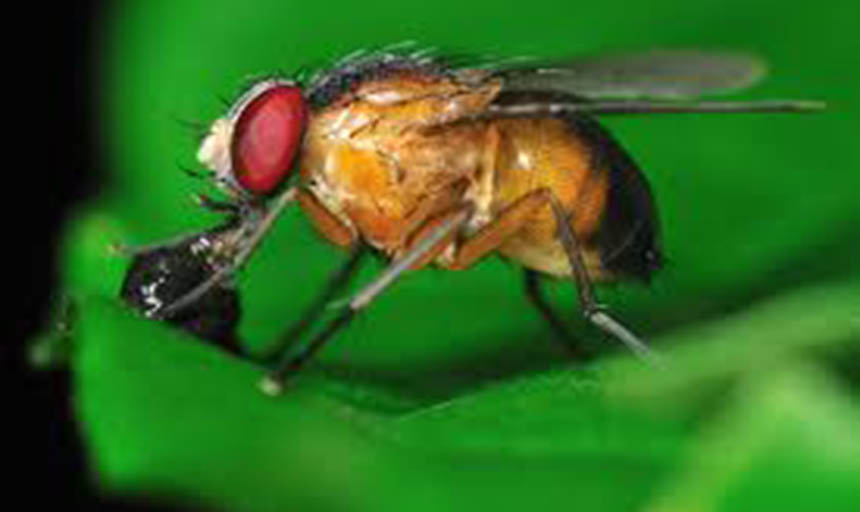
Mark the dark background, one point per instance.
(52, 458)
(54, 469)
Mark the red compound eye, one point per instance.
(266, 138)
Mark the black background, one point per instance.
(51, 109)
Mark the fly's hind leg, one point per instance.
(507, 223)
(593, 312)
(510, 221)
(534, 292)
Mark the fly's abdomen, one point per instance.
(545, 153)
(628, 238)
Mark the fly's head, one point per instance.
(252, 149)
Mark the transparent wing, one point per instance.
(513, 110)
(656, 74)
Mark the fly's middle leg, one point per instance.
(340, 234)
(335, 285)
(430, 242)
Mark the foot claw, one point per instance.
(271, 386)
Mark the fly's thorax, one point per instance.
(403, 101)
(383, 155)
(386, 184)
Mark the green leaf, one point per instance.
(788, 442)
(449, 393)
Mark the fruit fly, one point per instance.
(429, 163)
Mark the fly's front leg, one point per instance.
(593, 312)
(235, 210)
(325, 221)
(245, 240)
(430, 241)
(125, 250)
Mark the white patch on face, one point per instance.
(214, 151)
